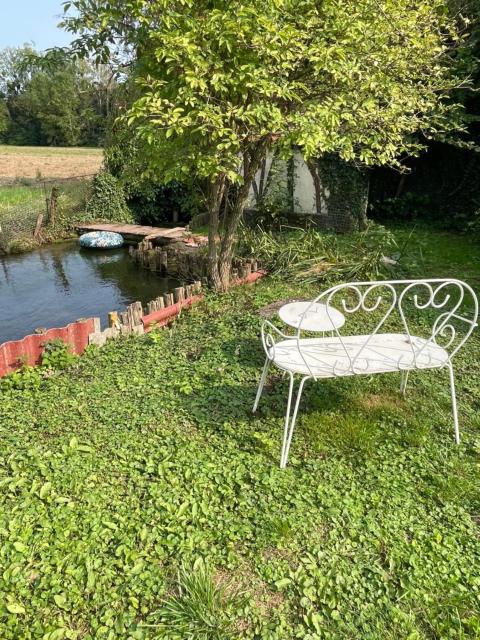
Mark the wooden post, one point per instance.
(130, 316)
(164, 261)
(152, 260)
(179, 294)
(113, 320)
(138, 312)
(135, 314)
(53, 205)
(38, 226)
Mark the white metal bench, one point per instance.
(396, 325)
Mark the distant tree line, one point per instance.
(64, 103)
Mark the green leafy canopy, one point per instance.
(357, 78)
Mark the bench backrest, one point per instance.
(441, 312)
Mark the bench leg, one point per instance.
(261, 384)
(454, 404)
(403, 382)
(290, 423)
(287, 420)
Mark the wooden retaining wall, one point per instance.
(28, 350)
(185, 262)
(157, 313)
(135, 319)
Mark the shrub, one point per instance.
(153, 203)
(57, 355)
(107, 199)
(406, 208)
(150, 201)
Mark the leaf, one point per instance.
(284, 582)
(183, 507)
(57, 634)
(45, 489)
(20, 547)
(85, 448)
(14, 607)
(60, 600)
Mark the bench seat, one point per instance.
(327, 357)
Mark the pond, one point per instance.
(61, 283)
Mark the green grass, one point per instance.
(13, 197)
(22, 201)
(119, 474)
(6, 149)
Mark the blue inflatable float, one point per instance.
(101, 240)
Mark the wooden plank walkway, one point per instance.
(135, 232)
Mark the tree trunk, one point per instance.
(215, 193)
(252, 162)
(317, 185)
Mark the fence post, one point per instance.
(53, 205)
(38, 226)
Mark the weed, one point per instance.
(198, 609)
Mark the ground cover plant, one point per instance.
(141, 499)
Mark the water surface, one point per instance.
(61, 283)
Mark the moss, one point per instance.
(22, 244)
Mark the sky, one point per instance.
(27, 21)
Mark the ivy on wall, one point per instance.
(107, 200)
(343, 190)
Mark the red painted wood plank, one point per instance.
(163, 316)
(168, 314)
(29, 350)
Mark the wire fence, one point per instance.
(29, 211)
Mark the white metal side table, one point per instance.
(314, 317)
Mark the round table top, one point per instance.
(315, 319)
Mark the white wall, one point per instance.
(303, 188)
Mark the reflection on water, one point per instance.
(60, 283)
